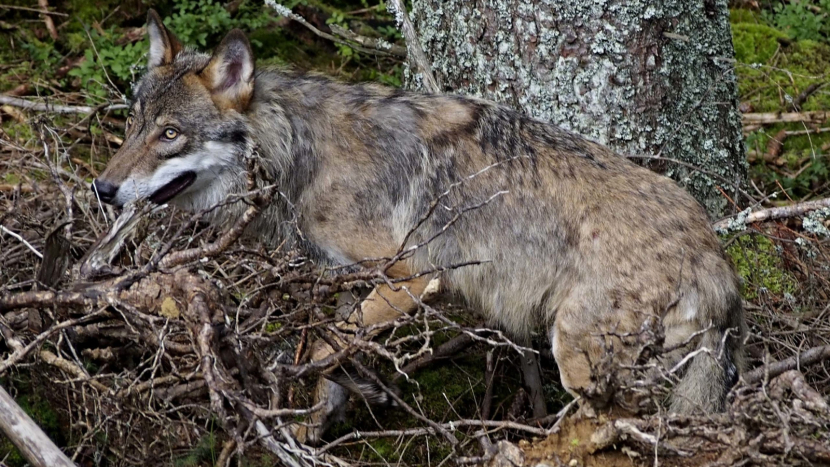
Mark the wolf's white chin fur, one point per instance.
(218, 167)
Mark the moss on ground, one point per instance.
(772, 66)
(759, 263)
(774, 69)
(444, 391)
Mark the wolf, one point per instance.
(570, 237)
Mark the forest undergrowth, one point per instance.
(175, 344)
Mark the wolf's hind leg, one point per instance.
(381, 306)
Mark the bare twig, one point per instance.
(447, 349)
(33, 10)
(47, 20)
(613, 431)
(437, 427)
(228, 238)
(22, 240)
(791, 117)
(807, 131)
(22, 351)
(805, 94)
(380, 49)
(453, 425)
(56, 108)
(413, 45)
(809, 357)
(708, 173)
(369, 42)
(489, 376)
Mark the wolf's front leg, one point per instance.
(381, 306)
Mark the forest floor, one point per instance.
(163, 360)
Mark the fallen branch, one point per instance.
(788, 117)
(55, 108)
(776, 213)
(794, 381)
(813, 450)
(74, 370)
(445, 350)
(807, 132)
(22, 240)
(24, 433)
(33, 10)
(809, 357)
(21, 351)
(429, 430)
(97, 260)
(47, 20)
(210, 250)
(615, 432)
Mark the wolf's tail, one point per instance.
(714, 370)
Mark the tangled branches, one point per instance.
(158, 341)
(188, 332)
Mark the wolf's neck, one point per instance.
(282, 128)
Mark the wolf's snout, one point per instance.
(105, 190)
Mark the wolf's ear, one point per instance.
(230, 73)
(164, 46)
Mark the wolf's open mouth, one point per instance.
(173, 188)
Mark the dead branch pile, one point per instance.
(153, 332)
(780, 422)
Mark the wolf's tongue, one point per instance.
(174, 187)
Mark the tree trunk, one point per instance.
(645, 78)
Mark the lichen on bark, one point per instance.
(643, 77)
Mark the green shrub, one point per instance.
(801, 19)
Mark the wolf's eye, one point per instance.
(170, 134)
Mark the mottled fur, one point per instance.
(580, 241)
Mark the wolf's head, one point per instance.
(186, 133)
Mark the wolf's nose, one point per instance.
(105, 190)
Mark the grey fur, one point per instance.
(574, 237)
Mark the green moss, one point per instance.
(772, 67)
(204, 453)
(742, 15)
(755, 43)
(89, 11)
(20, 132)
(759, 263)
(442, 389)
(773, 70)
(263, 460)
(383, 450)
(441, 382)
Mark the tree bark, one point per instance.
(645, 78)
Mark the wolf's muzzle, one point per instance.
(104, 190)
